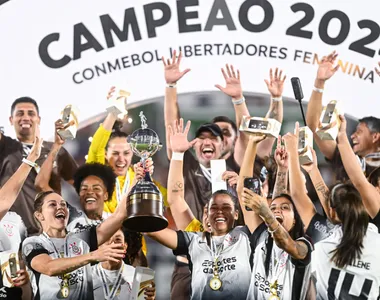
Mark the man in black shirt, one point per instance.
(366, 138)
(25, 119)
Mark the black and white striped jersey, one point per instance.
(360, 280)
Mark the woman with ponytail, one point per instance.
(346, 264)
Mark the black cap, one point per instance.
(209, 127)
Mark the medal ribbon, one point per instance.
(206, 172)
(120, 194)
(64, 282)
(278, 266)
(110, 294)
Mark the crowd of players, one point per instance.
(230, 244)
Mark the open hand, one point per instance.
(37, 145)
(276, 83)
(178, 137)
(233, 85)
(326, 67)
(172, 72)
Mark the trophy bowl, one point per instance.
(145, 206)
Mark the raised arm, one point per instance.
(298, 192)
(172, 75)
(12, 187)
(44, 264)
(326, 70)
(234, 90)
(252, 220)
(282, 161)
(259, 204)
(180, 210)
(378, 70)
(113, 223)
(43, 177)
(275, 87)
(96, 152)
(318, 183)
(369, 194)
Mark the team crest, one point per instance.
(8, 228)
(75, 249)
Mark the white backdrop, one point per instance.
(25, 69)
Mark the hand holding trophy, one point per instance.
(145, 204)
(69, 117)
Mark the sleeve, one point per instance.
(67, 166)
(195, 226)
(307, 259)
(376, 221)
(184, 240)
(7, 145)
(97, 150)
(32, 248)
(89, 236)
(318, 228)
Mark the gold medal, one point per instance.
(65, 290)
(215, 283)
(273, 290)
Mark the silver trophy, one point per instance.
(145, 204)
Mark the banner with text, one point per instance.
(71, 52)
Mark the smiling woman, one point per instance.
(220, 258)
(61, 261)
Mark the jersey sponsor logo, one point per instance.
(324, 229)
(262, 284)
(3, 293)
(74, 277)
(224, 264)
(75, 249)
(8, 228)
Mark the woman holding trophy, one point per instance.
(111, 147)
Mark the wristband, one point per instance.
(239, 101)
(171, 85)
(177, 156)
(277, 99)
(273, 231)
(318, 90)
(30, 163)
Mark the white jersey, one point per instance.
(358, 281)
(81, 223)
(12, 233)
(292, 275)
(75, 244)
(233, 264)
(102, 277)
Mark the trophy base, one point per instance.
(145, 213)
